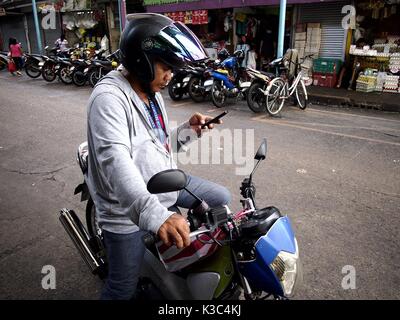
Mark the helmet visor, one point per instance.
(176, 41)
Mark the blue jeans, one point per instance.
(125, 251)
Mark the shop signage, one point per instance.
(189, 17)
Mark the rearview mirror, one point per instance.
(167, 181)
(262, 151)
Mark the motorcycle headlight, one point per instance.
(287, 268)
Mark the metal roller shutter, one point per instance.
(13, 27)
(333, 36)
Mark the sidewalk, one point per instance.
(342, 97)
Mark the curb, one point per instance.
(349, 102)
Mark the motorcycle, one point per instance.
(227, 81)
(3, 60)
(254, 250)
(100, 67)
(199, 86)
(80, 68)
(178, 86)
(259, 81)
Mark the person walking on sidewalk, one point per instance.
(16, 54)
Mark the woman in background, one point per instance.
(16, 54)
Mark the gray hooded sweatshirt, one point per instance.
(124, 153)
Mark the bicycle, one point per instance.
(282, 88)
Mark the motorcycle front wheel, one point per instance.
(79, 78)
(217, 94)
(94, 77)
(195, 92)
(48, 71)
(175, 92)
(3, 64)
(32, 70)
(65, 75)
(255, 98)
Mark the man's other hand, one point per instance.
(175, 230)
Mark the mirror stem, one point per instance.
(255, 168)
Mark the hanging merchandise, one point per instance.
(203, 16)
(188, 17)
(228, 22)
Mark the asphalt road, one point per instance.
(335, 172)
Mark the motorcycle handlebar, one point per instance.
(149, 239)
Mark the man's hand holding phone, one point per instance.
(199, 122)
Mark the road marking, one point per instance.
(344, 127)
(350, 114)
(287, 124)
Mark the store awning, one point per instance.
(167, 6)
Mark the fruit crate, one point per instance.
(325, 65)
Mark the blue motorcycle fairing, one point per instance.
(223, 77)
(229, 62)
(280, 237)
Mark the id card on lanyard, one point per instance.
(155, 122)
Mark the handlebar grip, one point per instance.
(149, 239)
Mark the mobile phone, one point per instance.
(214, 120)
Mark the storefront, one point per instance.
(375, 51)
(228, 23)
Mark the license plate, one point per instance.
(86, 70)
(41, 63)
(186, 79)
(208, 83)
(72, 68)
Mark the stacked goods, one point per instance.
(366, 83)
(380, 81)
(394, 63)
(300, 43)
(313, 40)
(391, 84)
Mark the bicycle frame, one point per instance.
(288, 91)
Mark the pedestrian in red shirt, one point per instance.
(16, 54)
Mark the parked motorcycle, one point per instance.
(227, 80)
(253, 250)
(100, 67)
(178, 86)
(199, 86)
(3, 60)
(33, 66)
(255, 97)
(81, 67)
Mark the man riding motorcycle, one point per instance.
(129, 140)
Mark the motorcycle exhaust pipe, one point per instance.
(80, 237)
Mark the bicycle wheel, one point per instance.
(274, 97)
(301, 95)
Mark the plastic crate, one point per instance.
(325, 65)
(328, 80)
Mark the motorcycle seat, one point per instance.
(102, 63)
(268, 74)
(275, 62)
